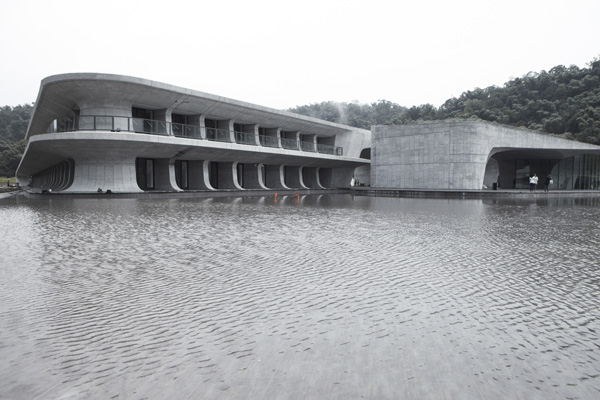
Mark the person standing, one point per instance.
(548, 182)
(533, 182)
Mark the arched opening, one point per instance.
(363, 174)
(568, 169)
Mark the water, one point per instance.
(328, 297)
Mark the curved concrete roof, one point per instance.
(59, 95)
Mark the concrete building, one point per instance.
(471, 155)
(124, 134)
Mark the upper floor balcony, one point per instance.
(155, 127)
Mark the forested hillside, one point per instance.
(564, 101)
(13, 127)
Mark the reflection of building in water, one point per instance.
(91, 132)
(474, 154)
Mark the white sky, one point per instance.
(281, 54)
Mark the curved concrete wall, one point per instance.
(453, 154)
(100, 134)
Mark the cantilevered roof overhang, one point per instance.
(61, 94)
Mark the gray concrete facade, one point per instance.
(454, 155)
(124, 134)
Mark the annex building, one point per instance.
(475, 155)
(100, 132)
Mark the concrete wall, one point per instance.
(453, 154)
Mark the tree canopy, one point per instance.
(13, 127)
(564, 101)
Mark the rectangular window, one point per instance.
(184, 175)
(150, 174)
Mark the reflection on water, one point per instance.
(317, 297)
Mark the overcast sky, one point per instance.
(281, 54)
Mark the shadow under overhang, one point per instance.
(537, 154)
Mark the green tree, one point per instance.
(13, 127)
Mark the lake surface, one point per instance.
(327, 297)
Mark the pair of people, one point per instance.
(533, 180)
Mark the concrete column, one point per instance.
(272, 138)
(163, 115)
(206, 175)
(308, 143)
(199, 121)
(52, 175)
(164, 175)
(310, 176)
(227, 125)
(56, 172)
(326, 141)
(198, 175)
(293, 178)
(253, 177)
(70, 166)
(227, 175)
(106, 173)
(292, 136)
(61, 175)
(252, 129)
(275, 177)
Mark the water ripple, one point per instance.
(354, 297)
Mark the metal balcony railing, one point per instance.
(289, 144)
(245, 138)
(186, 131)
(154, 127)
(307, 146)
(268, 141)
(218, 135)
